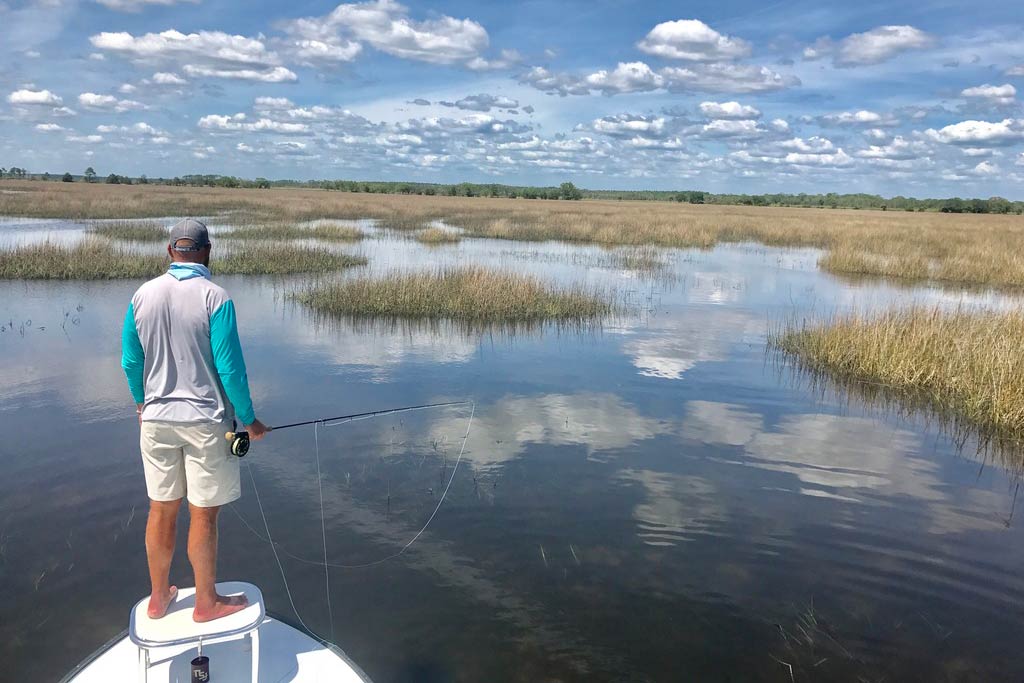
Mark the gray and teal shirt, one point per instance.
(180, 350)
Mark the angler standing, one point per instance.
(183, 361)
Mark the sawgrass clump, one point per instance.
(436, 236)
(964, 364)
(470, 294)
(94, 259)
(132, 231)
(328, 232)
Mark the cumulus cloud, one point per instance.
(628, 125)
(812, 145)
(95, 102)
(239, 122)
(878, 45)
(732, 128)
(729, 110)
(507, 60)
(561, 84)
(273, 103)
(1017, 70)
(899, 148)
(49, 127)
(625, 78)
(212, 54)
(481, 102)
(726, 78)
(386, 26)
(862, 117)
(994, 94)
(167, 78)
(985, 168)
(692, 40)
(980, 133)
(34, 97)
(137, 5)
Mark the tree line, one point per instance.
(565, 191)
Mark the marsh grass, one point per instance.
(437, 236)
(327, 232)
(92, 259)
(132, 231)
(96, 259)
(965, 365)
(965, 248)
(469, 294)
(278, 259)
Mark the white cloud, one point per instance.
(812, 145)
(508, 59)
(96, 102)
(561, 84)
(985, 168)
(483, 102)
(34, 97)
(729, 110)
(239, 122)
(213, 54)
(980, 133)
(861, 117)
(732, 128)
(273, 103)
(49, 127)
(627, 77)
(137, 5)
(88, 139)
(692, 40)
(126, 88)
(995, 94)
(386, 26)
(726, 78)
(628, 125)
(779, 125)
(167, 78)
(899, 148)
(1017, 70)
(277, 74)
(314, 52)
(879, 44)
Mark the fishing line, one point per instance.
(323, 524)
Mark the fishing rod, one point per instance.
(240, 439)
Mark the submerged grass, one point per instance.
(437, 236)
(132, 231)
(94, 259)
(328, 232)
(966, 248)
(964, 364)
(469, 294)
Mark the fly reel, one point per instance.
(239, 443)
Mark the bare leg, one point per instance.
(202, 553)
(161, 528)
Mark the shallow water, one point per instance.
(654, 499)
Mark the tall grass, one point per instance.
(437, 236)
(470, 294)
(964, 364)
(132, 231)
(94, 259)
(968, 248)
(328, 232)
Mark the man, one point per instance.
(183, 361)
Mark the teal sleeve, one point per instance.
(133, 358)
(227, 357)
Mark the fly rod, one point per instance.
(240, 439)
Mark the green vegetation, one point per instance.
(132, 231)
(330, 232)
(89, 260)
(94, 259)
(437, 236)
(468, 294)
(275, 259)
(966, 365)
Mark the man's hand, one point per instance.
(138, 412)
(257, 430)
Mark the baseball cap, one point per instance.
(190, 229)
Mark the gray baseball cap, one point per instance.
(190, 229)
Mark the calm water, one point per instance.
(655, 499)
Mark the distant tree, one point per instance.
(569, 191)
(2, 171)
(113, 179)
(697, 197)
(262, 184)
(46, 176)
(143, 180)
(90, 175)
(67, 178)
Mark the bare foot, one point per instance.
(221, 608)
(158, 604)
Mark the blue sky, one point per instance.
(734, 96)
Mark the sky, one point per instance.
(919, 99)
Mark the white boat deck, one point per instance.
(284, 653)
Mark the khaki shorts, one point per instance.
(190, 459)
